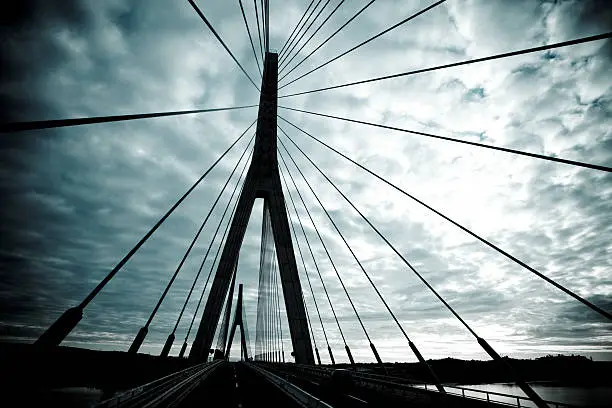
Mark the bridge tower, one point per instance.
(238, 321)
(262, 181)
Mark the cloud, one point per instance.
(76, 200)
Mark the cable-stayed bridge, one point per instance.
(267, 169)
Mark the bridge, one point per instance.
(268, 168)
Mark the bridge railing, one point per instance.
(302, 397)
(471, 393)
(155, 392)
(492, 397)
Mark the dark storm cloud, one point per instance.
(577, 326)
(25, 26)
(71, 193)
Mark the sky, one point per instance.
(75, 200)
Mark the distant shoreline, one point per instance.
(560, 370)
(83, 367)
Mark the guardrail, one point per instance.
(175, 386)
(303, 398)
(495, 397)
(491, 397)
(472, 393)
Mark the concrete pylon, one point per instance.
(262, 181)
(225, 325)
(238, 322)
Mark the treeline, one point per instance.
(560, 370)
